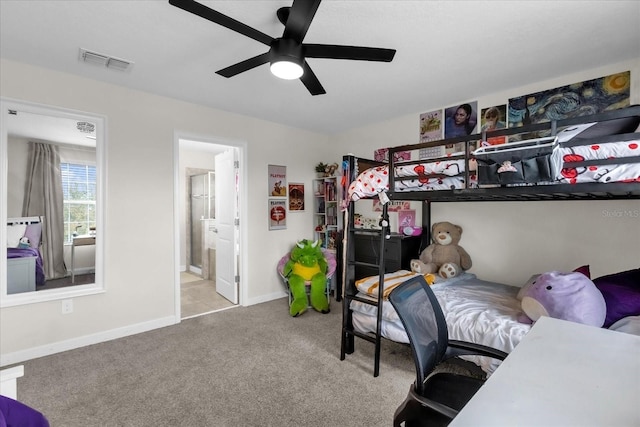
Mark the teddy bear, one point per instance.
(567, 296)
(307, 264)
(330, 169)
(444, 256)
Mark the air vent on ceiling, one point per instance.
(104, 60)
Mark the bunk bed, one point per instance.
(593, 157)
(25, 268)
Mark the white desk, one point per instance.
(79, 241)
(562, 374)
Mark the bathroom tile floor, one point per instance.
(198, 296)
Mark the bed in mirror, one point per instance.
(53, 180)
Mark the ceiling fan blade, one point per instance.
(311, 82)
(245, 65)
(300, 16)
(220, 19)
(348, 52)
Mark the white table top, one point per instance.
(562, 374)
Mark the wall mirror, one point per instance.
(53, 186)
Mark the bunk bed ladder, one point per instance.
(348, 331)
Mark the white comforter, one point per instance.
(476, 311)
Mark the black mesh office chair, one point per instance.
(439, 392)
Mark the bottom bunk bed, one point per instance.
(484, 312)
(476, 311)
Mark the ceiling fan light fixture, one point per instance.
(286, 59)
(286, 70)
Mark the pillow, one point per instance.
(583, 269)
(34, 233)
(15, 232)
(621, 292)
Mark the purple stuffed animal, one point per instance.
(567, 296)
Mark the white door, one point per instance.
(226, 207)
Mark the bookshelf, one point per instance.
(326, 211)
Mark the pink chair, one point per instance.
(331, 268)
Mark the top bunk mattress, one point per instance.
(442, 174)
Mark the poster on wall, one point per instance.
(493, 118)
(460, 120)
(277, 214)
(382, 155)
(431, 130)
(277, 181)
(296, 197)
(431, 126)
(579, 99)
(392, 206)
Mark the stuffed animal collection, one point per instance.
(24, 243)
(567, 296)
(444, 256)
(307, 264)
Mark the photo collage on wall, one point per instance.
(574, 100)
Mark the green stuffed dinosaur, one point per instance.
(307, 264)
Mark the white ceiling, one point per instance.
(447, 51)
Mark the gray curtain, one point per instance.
(44, 197)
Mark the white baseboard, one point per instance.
(266, 298)
(57, 347)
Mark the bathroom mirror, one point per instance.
(53, 187)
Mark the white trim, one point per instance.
(101, 198)
(71, 344)
(176, 228)
(267, 298)
(243, 172)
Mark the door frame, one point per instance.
(242, 148)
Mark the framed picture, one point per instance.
(406, 218)
(277, 181)
(277, 214)
(296, 197)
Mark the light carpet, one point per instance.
(249, 366)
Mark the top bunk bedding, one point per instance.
(564, 159)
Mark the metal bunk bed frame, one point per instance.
(542, 192)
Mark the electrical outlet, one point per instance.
(67, 306)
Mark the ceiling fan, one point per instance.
(287, 54)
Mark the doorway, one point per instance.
(206, 282)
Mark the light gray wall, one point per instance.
(140, 265)
(510, 241)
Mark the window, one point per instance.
(79, 188)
